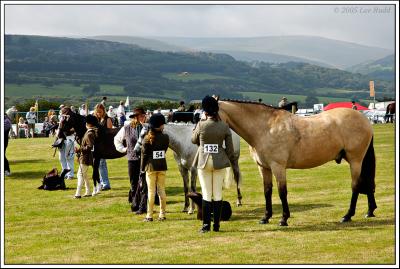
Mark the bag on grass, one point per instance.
(52, 181)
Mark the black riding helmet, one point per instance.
(92, 120)
(210, 105)
(156, 121)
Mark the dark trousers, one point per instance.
(6, 164)
(133, 172)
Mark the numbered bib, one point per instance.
(159, 154)
(210, 148)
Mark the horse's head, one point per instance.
(71, 122)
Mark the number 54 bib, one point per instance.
(159, 154)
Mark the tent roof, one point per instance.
(344, 104)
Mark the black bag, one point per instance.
(58, 143)
(53, 181)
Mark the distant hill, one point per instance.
(339, 54)
(269, 58)
(146, 43)
(142, 72)
(379, 69)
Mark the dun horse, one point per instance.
(184, 154)
(281, 140)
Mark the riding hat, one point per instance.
(137, 111)
(156, 120)
(210, 105)
(92, 120)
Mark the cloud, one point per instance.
(361, 24)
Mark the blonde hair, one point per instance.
(134, 122)
(151, 135)
(21, 120)
(32, 108)
(99, 107)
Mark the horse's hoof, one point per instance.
(345, 219)
(283, 223)
(263, 221)
(185, 210)
(191, 211)
(238, 204)
(369, 215)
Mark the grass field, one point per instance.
(43, 227)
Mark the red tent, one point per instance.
(344, 104)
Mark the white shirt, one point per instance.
(121, 111)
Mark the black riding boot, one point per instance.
(217, 208)
(206, 216)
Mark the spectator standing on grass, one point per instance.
(130, 134)
(105, 121)
(7, 127)
(121, 113)
(113, 116)
(82, 110)
(31, 118)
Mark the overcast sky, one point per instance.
(363, 24)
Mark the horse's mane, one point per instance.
(255, 103)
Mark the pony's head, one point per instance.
(71, 122)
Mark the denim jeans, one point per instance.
(105, 183)
(67, 156)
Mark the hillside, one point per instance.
(146, 43)
(379, 69)
(330, 52)
(142, 72)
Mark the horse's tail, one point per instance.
(228, 178)
(367, 176)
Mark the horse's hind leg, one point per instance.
(371, 205)
(280, 175)
(355, 168)
(193, 178)
(267, 180)
(185, 176)
(237, 176)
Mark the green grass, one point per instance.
(65, 90)
(43, 227)
(273, 99)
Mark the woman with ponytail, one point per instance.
(153, 162)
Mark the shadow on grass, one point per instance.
(172, 191)
(29, 161)
(359, 224)
(258, 213)
(292, 207)
(31, 175)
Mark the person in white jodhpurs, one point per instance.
(209, 134)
